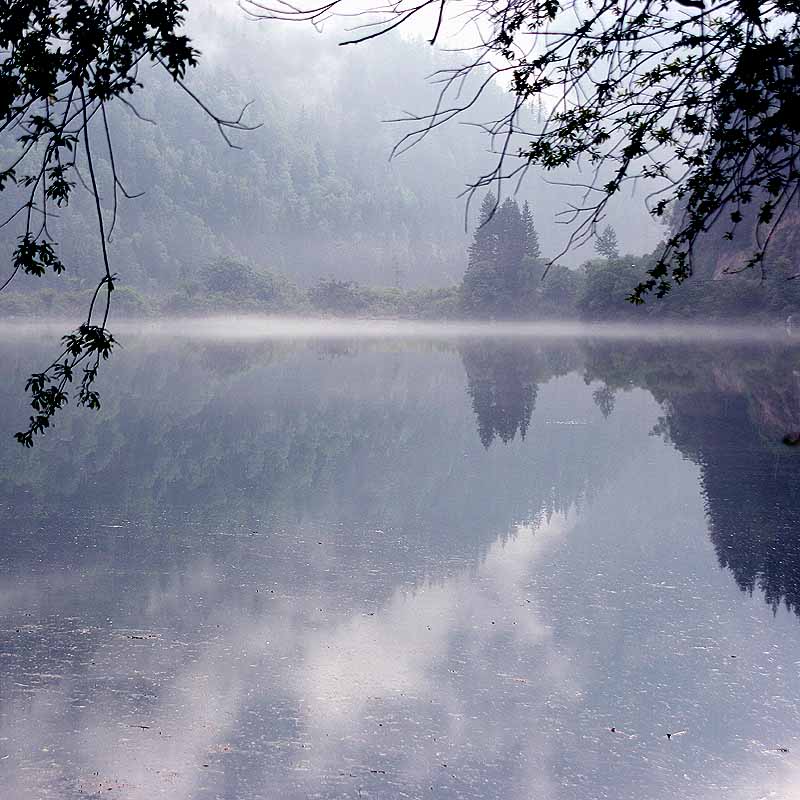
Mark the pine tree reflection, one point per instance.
(503, 382)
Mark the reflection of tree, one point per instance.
(503, 395)
(385, 441)
(503, 381)
(751, 490)
(727, 410)
(604, 398)
(376, 441)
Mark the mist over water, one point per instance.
(226, 328)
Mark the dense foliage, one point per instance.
(594, 292)
(507, 277)
(505, 268)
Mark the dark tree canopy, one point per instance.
(532, 248)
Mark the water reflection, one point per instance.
(749, 480)
(728, 411)
(301, 571)
(503, 380)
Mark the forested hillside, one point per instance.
(312, 193)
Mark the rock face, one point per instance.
(717, 257)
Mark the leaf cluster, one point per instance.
(82, 352)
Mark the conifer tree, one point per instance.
(532, 248)
(498, 277)
(511, 252)
(479, 288)
(484, 242)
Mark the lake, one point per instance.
(343, 561)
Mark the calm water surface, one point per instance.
(445, 569)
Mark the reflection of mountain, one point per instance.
(297, 488)
(291, 440)
(503, 382)
(727, 410)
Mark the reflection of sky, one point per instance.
(218, 667)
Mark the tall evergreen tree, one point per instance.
(484, 242)
(511, 252)
(498, 278)
(479, 288)
(532, 248)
